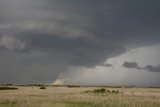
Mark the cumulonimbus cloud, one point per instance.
(72, 33)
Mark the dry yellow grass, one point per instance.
(76, 97)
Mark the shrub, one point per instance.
(101, 90)
(72, 86)
(42, 87)
(108, 91)
(8, 88)
(115, 91)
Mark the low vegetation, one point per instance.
(102, 90)
(54, 96)
(72, 86)
(42, 87)
(8, 88)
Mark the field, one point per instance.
(63, 96)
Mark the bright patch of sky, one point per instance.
(118, 75)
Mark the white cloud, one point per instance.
(144, 56)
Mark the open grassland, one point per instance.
(54, 96)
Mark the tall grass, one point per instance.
(76, 97)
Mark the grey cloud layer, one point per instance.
(152, 68)
(134, 65)
(11, 43)
(72, 33)
(131, 65)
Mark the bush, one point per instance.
(8, 88)
(72, 86)
(101, 90)
(115, 91)
(108, 91)
(42, 87)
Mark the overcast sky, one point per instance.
(91, 42)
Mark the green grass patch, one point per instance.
(8, 103)
(74, 104)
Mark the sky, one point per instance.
(85, 42)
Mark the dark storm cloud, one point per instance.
(152, 68)
(108, 65)
(134, 65)
(72, 33)
(131, 65)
